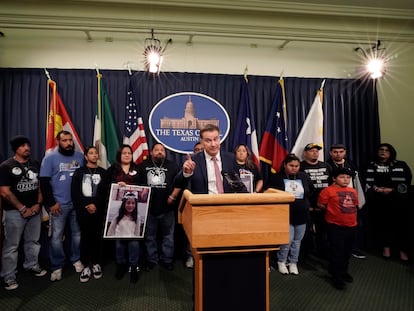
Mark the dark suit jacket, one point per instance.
(198, 183)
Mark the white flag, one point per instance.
(312, 129)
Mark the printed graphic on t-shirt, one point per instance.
(347, 202)
(69, 166)
(319, 176)
(90, 184)
(156, 177)
(295, 187)
(28, 181)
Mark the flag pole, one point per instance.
(99, 76)
(47, 100)
(246, 70)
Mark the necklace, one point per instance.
(158, 168)
(92, 171)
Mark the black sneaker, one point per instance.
(134, 274)
(338, 284)
(37, 271)
(10, 284)
(121, 269)
(348, 278)
(358, 254)
(167, 265)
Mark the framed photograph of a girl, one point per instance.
(127, 211)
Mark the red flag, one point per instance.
(134, 129)
(58, 120)
(274, 146)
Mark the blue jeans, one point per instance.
(290, 252)
(164, 223)
(14, 227)
(58, 223)
(122, 246)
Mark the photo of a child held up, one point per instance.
(127, 211)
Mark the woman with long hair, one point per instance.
(124, 172)
(247, 166)
(298, 183)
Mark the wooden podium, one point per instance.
(231, 236)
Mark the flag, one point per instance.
(245, 132)
(58, 120)
(274, 145)
(312, 129)
(105, 137)
(360, 191)
(134, 134)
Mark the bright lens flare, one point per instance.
(375, 68)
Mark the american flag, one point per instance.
(134, 129)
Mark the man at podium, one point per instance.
(211, 171)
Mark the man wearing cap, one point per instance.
(56, 174)
(337, 159)
(22, 201)
(320, 175)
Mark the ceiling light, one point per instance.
(374, 60)
(154, 53)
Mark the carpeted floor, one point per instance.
(379, 285)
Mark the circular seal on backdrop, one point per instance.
(176, 120)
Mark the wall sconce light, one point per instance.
(374, 60)
(154, 53)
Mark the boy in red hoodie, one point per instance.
(340, 203)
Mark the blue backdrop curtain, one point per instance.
(350, 106)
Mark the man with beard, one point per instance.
(55, 177)
(320, 175)
(22, 200)
(158, 173)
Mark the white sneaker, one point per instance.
(282, 267)
(293, 269)
(78, 266)
(189, 263)
(85, 275)
(96, 271)
(56, 275)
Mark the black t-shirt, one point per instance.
(23, 180)
(320, 175)
(298, 212)
(160, 178)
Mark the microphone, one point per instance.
(233, 179)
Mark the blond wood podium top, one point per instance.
(236, 220)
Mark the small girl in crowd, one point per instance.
(291, 180)
(89, 193)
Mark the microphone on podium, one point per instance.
(236, 184)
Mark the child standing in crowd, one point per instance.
(298, 183)
(340, 203)
(89, 193)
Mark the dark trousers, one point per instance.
(341, 242)
(91, 226)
